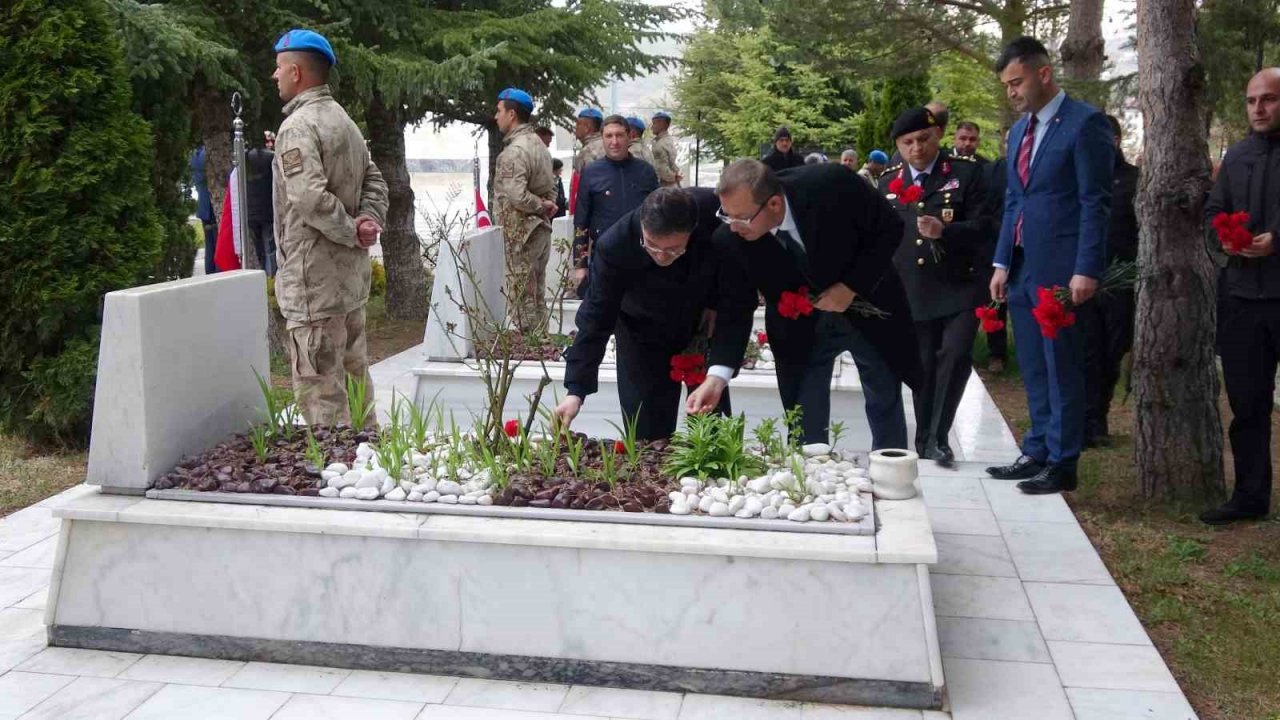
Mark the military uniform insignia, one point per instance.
(952, 184)
(948, 214)
(507, 169)
(891, 196)
(291, 162)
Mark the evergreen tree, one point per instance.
(77, 220)
(889, 99)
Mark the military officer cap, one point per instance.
(661, 115)
(879, 157)
(636, 123)
(590, 112)
(912, 120)
(517, 96)
(299, 40)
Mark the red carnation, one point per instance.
(990, 317)
(619, 447)
(1232, 230)
(912, 195)
(792, 305)
(676, 375)
(1051, 313)
(895, 185)
(511, 428)
(762, 339)
(688, 368)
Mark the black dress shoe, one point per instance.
(1227, 514)
(944, 456)
(1052, 479)
(1021, 469)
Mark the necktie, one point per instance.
(922, 178)
(1024, 168)
(795, 249)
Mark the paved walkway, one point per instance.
(1032, 627)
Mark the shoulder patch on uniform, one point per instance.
(506, 168)
(291, 162)
(888, 170)
(966, 158)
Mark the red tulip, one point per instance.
(511, 428)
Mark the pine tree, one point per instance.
(78, 219)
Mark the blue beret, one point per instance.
(878, 156)
(662, 114)
(518, 96)
(590, 112)
(299, 40)
(635, 122)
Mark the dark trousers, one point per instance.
(1053, 376)
(263, 233)
(1107, 324)
(998, 341)
(646, 390)
(1249, 342)
(946, 355)
(210, 247)
(808, 384)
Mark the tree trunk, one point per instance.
(213, 109)
(1084, 52)
(407, 291)
(495, 149)
(1178, 433)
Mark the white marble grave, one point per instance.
(175, 373)
(469, 270)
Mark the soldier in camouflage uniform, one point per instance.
(587, 130)
(664, 151)
(524, 192)
(330, 203)
(638, 148)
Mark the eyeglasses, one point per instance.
(739, 221)
(662, 252)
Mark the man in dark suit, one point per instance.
(1107, 320)
(1056, 214)
(823, 228)
(657, 280)
(783, 155)
(944, 237)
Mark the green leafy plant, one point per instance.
(314, 453)
(359, 402)
(838, 430)
(794, 420)
(260, 438)
(771, 443)
(608, 465)
(573, 453)
(274, 407)
(712, 446)
(629, 439)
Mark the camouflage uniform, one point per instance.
(524, 179)
(664, 160)
(591, 151)
(324, 180)
(639, 149)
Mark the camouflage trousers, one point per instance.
(322, 354)
(526, 281)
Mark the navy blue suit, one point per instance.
(1065, 209)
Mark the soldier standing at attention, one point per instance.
(524, 191)
(664, 151)
(330, 202)
(944, 240)
(638, 148)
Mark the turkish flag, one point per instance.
(482, 215)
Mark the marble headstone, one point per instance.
(175, 374)
(469, 270)
(560, 264)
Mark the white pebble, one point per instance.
(449, 487)
(329, 492)
(396, 494)
(737, 503)
(718, 509)
(387, 486)
(769, 512)
(760, 485)
(427, 485)
(679, 508)
(676, 496)
(349, 479)
(815, 449)
(484, 500)
(706, 502)
(415, 497)
(340, 468)
(367, 493)
(819, 513)
(720, 495)
(689, 490)
(431, 496)
(799, 515)
(347, 492)
(449, 499)
(328, 476)
(467, 500)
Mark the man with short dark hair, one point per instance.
(783, 155)
(823, 229)
(658, 280)
(1054, 234)
(524, 192)
(259, 182)
(968, 136)
(545, 134)
(608, 188)
(557, 168)
(1249, 298)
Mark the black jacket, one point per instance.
(1122, 237)
(779, 161)
(562, 202)
(607, 190)
(258, 184)
(661, 307)
(947, 276)
(1249, 180)
(849, 234)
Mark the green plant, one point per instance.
(771, 443)
(377, 279)
(794, 420)
(608, 465)
(837, 431)
(629, 440)
(573, 453)
(75, 174)
(314, 453)
(712, 446)
(260, 438)
(547, 450)
(359, 402)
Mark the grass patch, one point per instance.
(28, 475)
(1210, 598)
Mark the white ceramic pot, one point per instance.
(893, 474)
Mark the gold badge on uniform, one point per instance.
(948, 214)
(291, 162)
